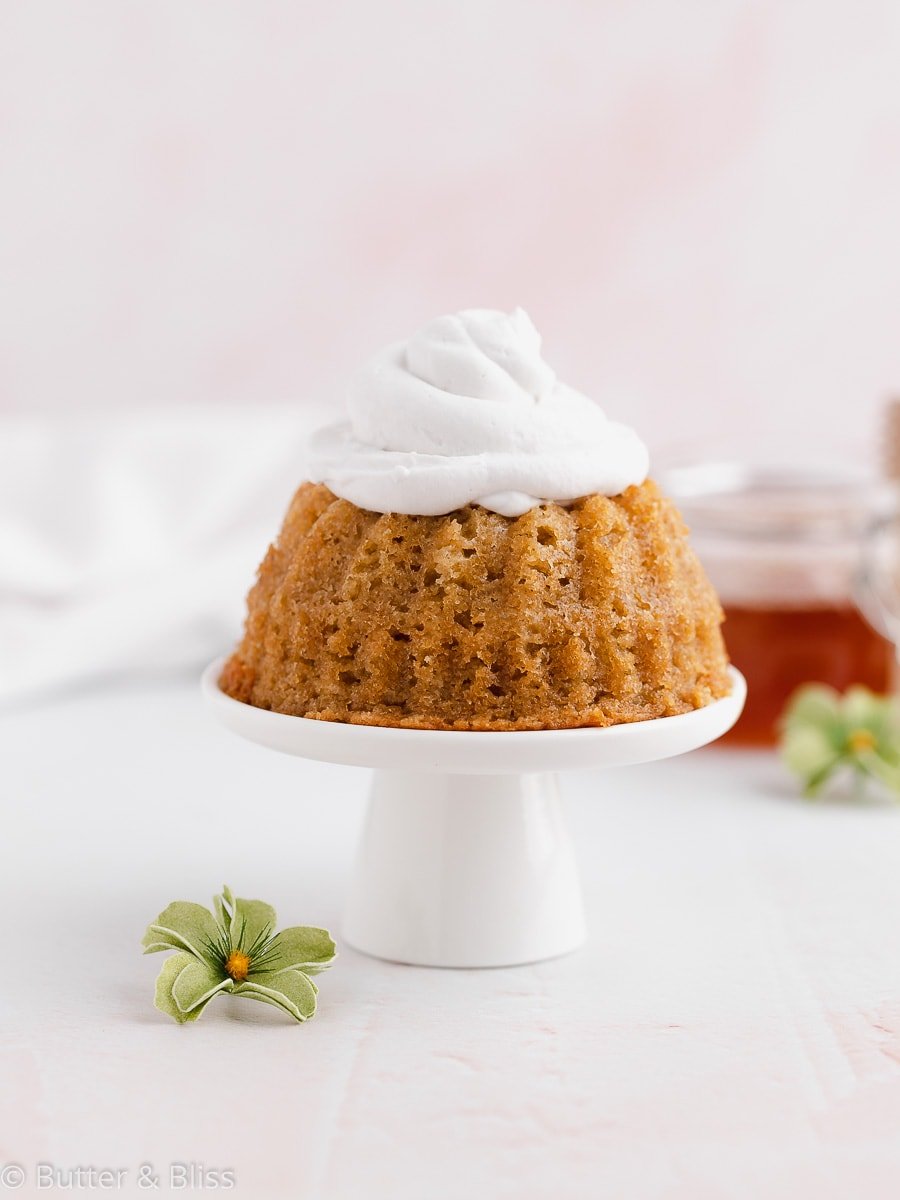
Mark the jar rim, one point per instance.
(805, 502)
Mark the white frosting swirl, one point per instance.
(468, 412)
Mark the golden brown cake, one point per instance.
(592, 613)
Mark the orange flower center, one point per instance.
(237, 964)
(860, 740)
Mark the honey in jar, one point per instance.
(780, 648)
(783, 549)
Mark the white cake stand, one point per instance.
(465, 859)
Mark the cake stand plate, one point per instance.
(465, 859)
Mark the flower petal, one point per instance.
(252, 921)
(196, 984)
(807, 750)
(154, 942)
(301, 947)
(289, 990)
(814, 704)
(887, 773)
(165, 982)
(183, 926)
(862, 709)
(223, 906)
(814, 783)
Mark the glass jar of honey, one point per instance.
(783, 547)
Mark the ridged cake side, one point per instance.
(592, 614)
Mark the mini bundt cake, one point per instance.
(590, 613)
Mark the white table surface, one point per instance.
(732, 1029)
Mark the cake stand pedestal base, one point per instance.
(465, 860)
(465, 871)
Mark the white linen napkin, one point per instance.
(127, 544)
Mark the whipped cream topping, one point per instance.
(468, 412)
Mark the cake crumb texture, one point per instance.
(591, 614)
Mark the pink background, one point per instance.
(698, 202)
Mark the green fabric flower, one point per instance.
(235, 950)
(824, 732)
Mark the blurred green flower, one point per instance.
(235, 950)
(824, 732)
